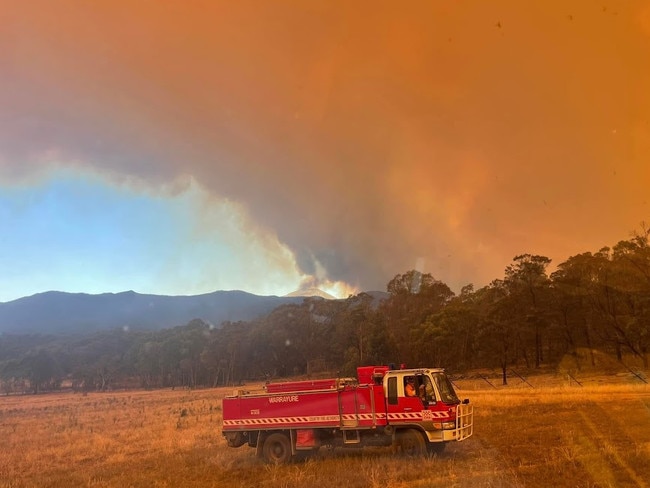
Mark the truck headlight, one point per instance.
(448, 425)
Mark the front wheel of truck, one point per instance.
(411, 442)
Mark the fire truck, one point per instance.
(414, 410)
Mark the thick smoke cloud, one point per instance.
(373, 138)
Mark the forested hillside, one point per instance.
(594, 301)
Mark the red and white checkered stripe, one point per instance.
(363, 416)
(417, 416)
(393, 417)
(281, 420)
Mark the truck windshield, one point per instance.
(445, 388)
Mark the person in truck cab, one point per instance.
(426, 392)
(409, 387)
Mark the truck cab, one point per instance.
(426, 400)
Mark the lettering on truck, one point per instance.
(284, 399)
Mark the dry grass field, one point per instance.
(554, 434)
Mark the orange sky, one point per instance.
(448, 135)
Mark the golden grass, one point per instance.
(551, 435)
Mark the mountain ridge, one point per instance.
(56, 312)
(62, 313)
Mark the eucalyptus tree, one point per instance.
(497, 332)
(617, 299)
(190, 342)
(414, 298)
(603, 299)
(354, 322)
(629, 284)
(573, 290)
(449, 336)
(43, 370)
(529, 291)
(146, 358)
(290, 337)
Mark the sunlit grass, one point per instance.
(550, 435)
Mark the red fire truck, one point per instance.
(298, 417)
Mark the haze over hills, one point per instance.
(55, 312)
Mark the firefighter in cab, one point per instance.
(409, 388)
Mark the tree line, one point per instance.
(530, 318)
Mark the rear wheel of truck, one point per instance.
(277, 449)
(410, 442)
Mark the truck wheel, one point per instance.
(277, 449)
(411, 442)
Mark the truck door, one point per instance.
(402, 408)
